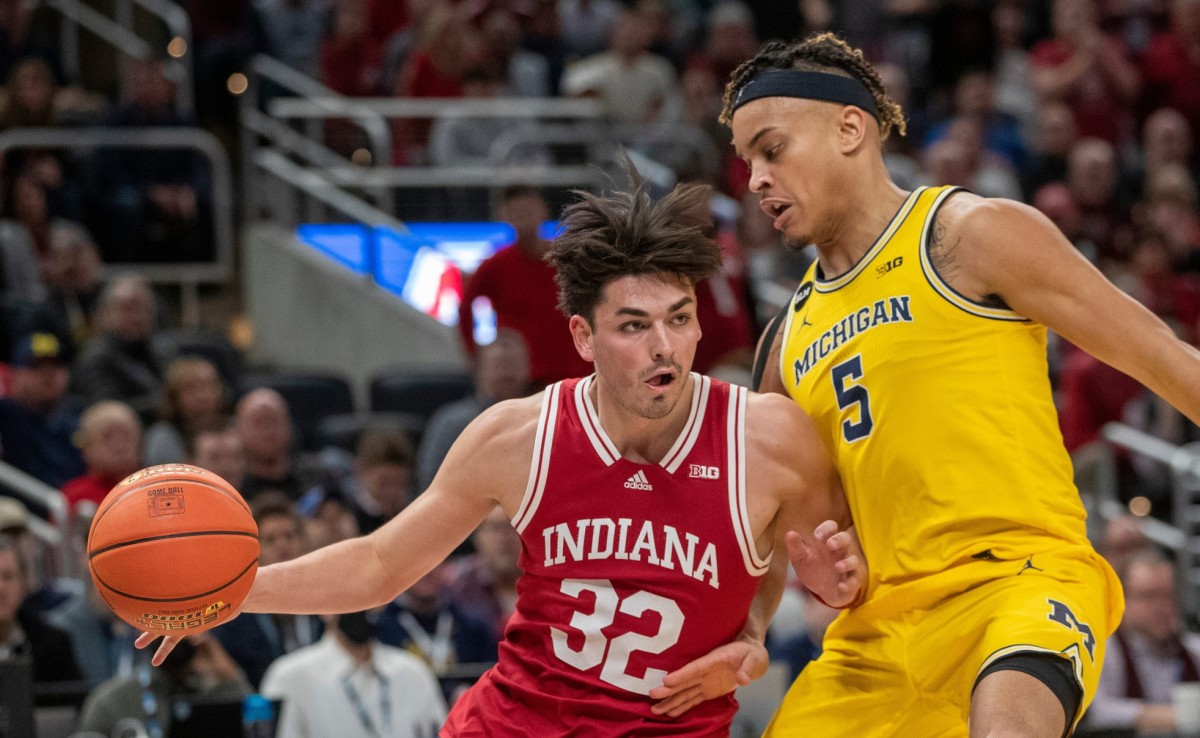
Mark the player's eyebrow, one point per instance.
(635, 312)
(754, 140)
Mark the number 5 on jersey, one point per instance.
(614, 653)
(850, 393)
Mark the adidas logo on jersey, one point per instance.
(638, 481)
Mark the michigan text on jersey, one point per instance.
(611, 539)
(891, 310)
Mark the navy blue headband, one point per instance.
(808, 85)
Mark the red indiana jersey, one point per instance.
(630, 571)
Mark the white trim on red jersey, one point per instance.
(590, 420)
(736, 444)
(607, 450)
(691, 430)
(543, 441)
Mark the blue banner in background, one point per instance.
(425, 267)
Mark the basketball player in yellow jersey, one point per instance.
(917, 343)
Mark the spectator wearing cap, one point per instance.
(37, 422)
(110, 436)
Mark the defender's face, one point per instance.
(791, 148)
(643, 341)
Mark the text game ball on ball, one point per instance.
(173, 549)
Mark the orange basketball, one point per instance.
(174, 549)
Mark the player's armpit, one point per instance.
(766, 356)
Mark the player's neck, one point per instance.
(637, 438)
(866, 215)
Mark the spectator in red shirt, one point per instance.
(723, 306)
(449, 45)
(1093, 393)
(351, 58)
(1092, 178)
(1171, 66)
(524, 296)
(110, 436)
(1088, 70)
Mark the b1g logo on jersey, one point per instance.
(888, 266)
(698, 471)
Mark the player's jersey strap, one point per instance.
(542, 443)
(736, 464)
(943, 288)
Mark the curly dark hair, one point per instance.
(628, 233)
(822, 52)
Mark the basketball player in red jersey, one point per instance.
(648, 500)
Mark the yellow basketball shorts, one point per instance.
(904, 662)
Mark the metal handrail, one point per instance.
(256, 123)
(463, 176)
(155, 138)
(328, 102)
(121, 37)
(314, 184)
(35, 491)
(178, 25)
(316, 106)
(1181, 460)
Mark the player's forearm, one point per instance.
(344, 577)
(766, 599)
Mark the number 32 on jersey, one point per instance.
(614, 653)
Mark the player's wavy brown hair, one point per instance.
(821, 52)
(629, 233)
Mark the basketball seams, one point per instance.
(165, 536)
(158, 482)
(127, 596)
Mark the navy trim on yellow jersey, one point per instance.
(940, 286)
(833, 285)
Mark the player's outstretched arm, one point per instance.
(1009, 250)
(487, 465)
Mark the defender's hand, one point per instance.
(833, 567)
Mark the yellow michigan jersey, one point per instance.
(939, 415)
(937, 410)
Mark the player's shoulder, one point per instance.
(509, 418)
(774, 417)
(975, 218)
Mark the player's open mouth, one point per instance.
(662, 380)
(775, 209)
